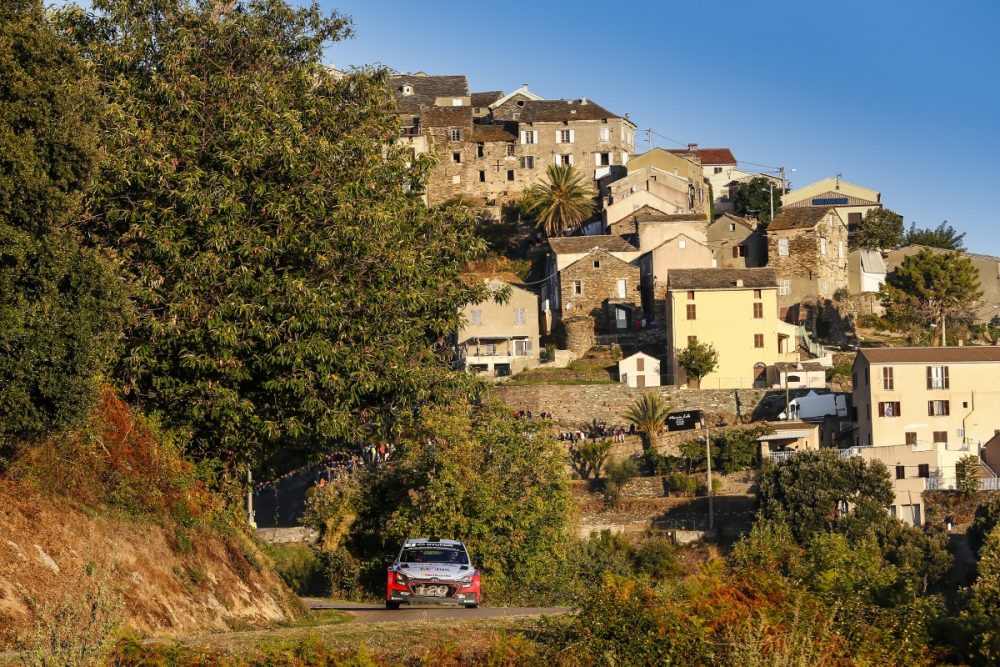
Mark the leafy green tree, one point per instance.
(737, 449)
(60, 305)
(932, 288)
(590, 456)
(292, 288)
(478, 475)
(753, 199)
(818, 491)
(984, 521)
(880, 229)
(943, 236)
(967, 475)
(977, 629)
(617, 475)
(562, 204)
(698, 359)
(649, 415)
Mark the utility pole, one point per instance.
(250, 520)
(708, 465)
(649, 138)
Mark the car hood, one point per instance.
(444, 571)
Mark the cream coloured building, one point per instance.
(639, 370)
(499, 339)
(736, 311)
(921, 409)
(851, 201)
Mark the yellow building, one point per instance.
(851, 201)
(499, 338)
(734, 310)
(921, 409)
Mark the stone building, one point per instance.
(653, 188)
(851, 201)
(593, 276)
(508, 107)
(807, 248)
(737, 242)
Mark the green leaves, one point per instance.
(292, 290)
(562, 204)
(880, 229)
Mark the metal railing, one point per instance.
(779, 457)
(989, 483)
(851, 451)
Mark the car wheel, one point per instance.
(391, 605)
(472, 606)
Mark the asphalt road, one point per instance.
(377, 613)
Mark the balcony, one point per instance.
(778, 457)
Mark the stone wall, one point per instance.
(579, 334)
(577, 405)
(807, 270)
(599, 287)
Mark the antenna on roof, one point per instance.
(838, 181)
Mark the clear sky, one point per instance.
(899, 96)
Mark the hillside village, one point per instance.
(664, 261)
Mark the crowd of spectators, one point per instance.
(598, 431)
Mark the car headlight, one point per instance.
(401, 578)
(466, 580)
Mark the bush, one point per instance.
(657, 557)
(681, 484)
(617, 474)
(300, 567)
(589, 457)
(967, 474)
(987, 518)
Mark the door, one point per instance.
(640, 381)
(621, 318)
(759, 375)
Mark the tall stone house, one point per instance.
(491, 147)
(720, 169)
(737, 242)
(807, 248)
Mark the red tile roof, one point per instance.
(707, 155)
(930, 355)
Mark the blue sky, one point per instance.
(897, 96)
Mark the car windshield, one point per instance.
(434, 554)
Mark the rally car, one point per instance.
(435, 571)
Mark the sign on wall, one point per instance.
(683, 421)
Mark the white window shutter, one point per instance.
(571, 159)
(597, 159)
(558, 136)
(523, 133)
(572, 136)
(556, 158)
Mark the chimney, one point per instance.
(692, 147)
(583, 100)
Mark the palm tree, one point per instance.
(562, 203)
(649, 414)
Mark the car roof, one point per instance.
(425, 542)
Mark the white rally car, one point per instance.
(434, 571)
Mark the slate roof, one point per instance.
(446, 116)
(719, 278)
(652, 215)
(798, 218)
(930, 355)
(426, 89)
(554, 111)
(581, 244)
(493, 132)
(832, 194)
(707, 155)
(486, 99)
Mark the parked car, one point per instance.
(435, 571)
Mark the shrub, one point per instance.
(590, 456)
(967, 474)
(657, 557)
(300, 567)
(617, 474)
(681, 484)
(987, 518)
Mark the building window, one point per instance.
(924, 470)
(717, 170)
(456, 179)
(640, 365)
(456, 157)
(758, 311)
(480, 150)
(690, 295)
(510, 174)
(732, 226)
(692, 340)
(853, 220)
(602, 159)
(784, 287)
(622, 288)
(527, 162)
(783, 247)
(822, 245)
(739, 251)
(597, 263)
(455, 134)
(900, 472)
(911, 437)
(577, 287)
(940, 437)
(887, 380)
(564, 136)
(456, 101)
(691, 311)
(888, 409)
(510, 150)
(757, 294)
(605, 134)
(937, 409)
(477, 318)
(529, 136)
(565, 158)
(519, 316)
(482, 176)
(758, 340)
(937, 377)
(522, 348)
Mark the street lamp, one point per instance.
(708, 466)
